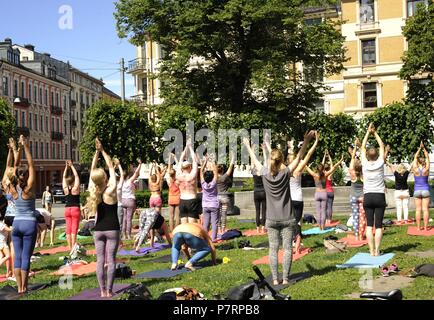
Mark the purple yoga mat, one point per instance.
(95, 294)
(144, 251)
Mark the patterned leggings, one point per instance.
(359, 217)
(106, 244)
(224, 202)
(147, 220)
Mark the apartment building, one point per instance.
(40, 103)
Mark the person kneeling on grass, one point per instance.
(5, 253)
(48, 223)
(191, 236)
(150, 220)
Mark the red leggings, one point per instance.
(72, 217)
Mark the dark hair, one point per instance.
(208, 176)
(220, 169)
(20, 178)
(321, 169)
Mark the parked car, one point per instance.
(58, 194)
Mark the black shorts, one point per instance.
(189, 209)
(9, 220)
(297, 206)
(158, 222)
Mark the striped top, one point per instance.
(25, 209)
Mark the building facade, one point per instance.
(40, 104)
(85, 91)
(375, 46)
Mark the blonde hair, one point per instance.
(276, 161)
(98, 178)
(401, 169)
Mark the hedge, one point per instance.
(142, 198)
(391, 185)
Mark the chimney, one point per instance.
(47, 54)
(30, 47)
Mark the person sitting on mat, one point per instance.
(150, 220)
(5, 253)
(192, 236)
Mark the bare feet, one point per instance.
(276, 282)
(174, 266)
(285, 282)
(103, 294)
(189, 266)
(109, 294)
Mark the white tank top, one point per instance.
(295, 186)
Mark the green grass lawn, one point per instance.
(327, 282)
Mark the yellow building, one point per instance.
(375, 46)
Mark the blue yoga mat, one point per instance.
(365, 260)
(317, 230)
(144, 251)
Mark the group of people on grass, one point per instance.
(277, 195)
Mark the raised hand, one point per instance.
(98, 145)
(246, 141)
(422, 146)
(357, 143)
(371, 128)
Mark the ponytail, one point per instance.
(95, 191)
(276, 161)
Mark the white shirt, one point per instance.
(3, 233)
(373, 176)
(296, 191)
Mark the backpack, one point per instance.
(231, 234)
(123, 271)
(243, 293)
(425, 270)
(138, 292)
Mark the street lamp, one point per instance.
(17, 100)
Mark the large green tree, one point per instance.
(403, 126)
(124, 131)
(235, 56)
(8, 129)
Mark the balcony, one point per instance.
(23, 131)
(21, 102)
(74, 123)
(73, 103)
(56, 111)
(139, 99)
(367, 27)
(137, 65)
(74, 143)
(58, 136)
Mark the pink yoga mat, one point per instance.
(55, 250)
(76, 269)
(332, 224)
(413, 231)
(252, 233)
(295, 257)
(409, 222)
(3, 278)
(352, 242)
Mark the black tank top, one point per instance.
(107, 219)
(258, 184)
(72, 200)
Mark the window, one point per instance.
(64, 102)
(367, 11)
(36, 150)
(46, 124)
(52, 124)
(47, 151)
(53, 151)
(52, 99)
(313, 21)
(313, 74)
(412, 6)
(23, 119)
(57, 125)
(35, 120)
(23, 89)
(30, 92)
(16, 117)
(42, 123)
(35, 94)
(73, 156)
(145, 87)
(40, 95)
(65, 127)
(57, 100)
(30, 121)
(42, 150)
(6, 86)
(15, 88)
(31, 148)
(66, 151)
(368, 52)
(46, 97)
(370, 95)
(58, 151)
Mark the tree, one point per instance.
(337, 133)
(8, 129)
(236, 56)
(403, 127)
(124, 131)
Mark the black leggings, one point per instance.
(261, 207)
(298, 214)
(374, 205)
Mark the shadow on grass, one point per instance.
(320, 272)
(403, 248)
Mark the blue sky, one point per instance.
(91, 44)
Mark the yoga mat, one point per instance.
(316, 230)
(95, 294)
(164, 259)
(161, 274)
(365, 260)
(332, 224)
(144, 251)
(295, 257)
(252, 233)
(11, 293)
(76, 269)
(3, 278)
(352, 242)
(413, 231)
(409, 222)
(55, 250)
(246, 220)
(62, 236)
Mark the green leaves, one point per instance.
(123, 130)
(8, 130)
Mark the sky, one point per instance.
(82, 32)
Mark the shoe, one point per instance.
(189, 266)
(12, 279)
(393, 268)
(385, 271)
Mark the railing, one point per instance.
(56, 110)
(21, 102)
(139, 98)
(370, 25)
(73, 103)
(56, 135)
(137, 64)
(25, 131)
(74, 123)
